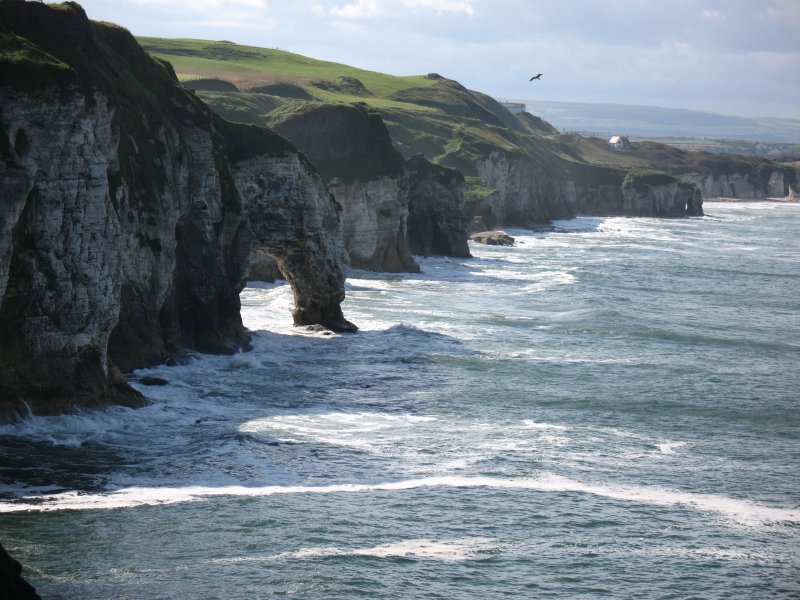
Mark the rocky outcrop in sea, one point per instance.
(657, 196)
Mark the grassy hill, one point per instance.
(250, 67)
(432, 115)
(425, 114)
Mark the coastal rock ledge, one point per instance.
(493, 238)
(129, 212)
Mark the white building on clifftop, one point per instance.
(620, 142)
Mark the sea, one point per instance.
(609, 408)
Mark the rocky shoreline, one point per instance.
(134, 214)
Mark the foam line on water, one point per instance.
(430, 549)
(743, 512)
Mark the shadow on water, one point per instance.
(44, 466)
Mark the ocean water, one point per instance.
(609, 409)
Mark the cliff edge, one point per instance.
(124, 232)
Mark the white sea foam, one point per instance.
(671, 447)
(539, 279)
(452, 550)
(531, 424)
(74, 430)
(578, 224)
(430, 549)
(340, 422)
(375, 433)
(743, 512)
(706, 553)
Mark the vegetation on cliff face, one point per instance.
(345, 141)
(641, 180)
(24, 65)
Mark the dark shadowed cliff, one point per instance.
(12, 585)
(352, 149)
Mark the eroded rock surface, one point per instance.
(493, 238)
(352, 149)
(124, 238)
(436, 221)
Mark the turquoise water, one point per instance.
(608, 409)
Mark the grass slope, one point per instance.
(251, 65)
(424, 114)
(429, 114)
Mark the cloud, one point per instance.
(713, 15)
(232, 22)
(202, 6)
(443, 6)
(723, 54)
(360, 9)
(367, 9)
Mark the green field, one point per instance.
(425, 114)
(253, 65)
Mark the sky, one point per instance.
(735, 57)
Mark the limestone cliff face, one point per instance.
(526, 193)
(598, 199)
(92, 267)
(663, 200)
(741, 185)
(437, 220)
(123, 234)
(375, 214)
(297, 222)
(351, 147)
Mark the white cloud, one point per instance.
(714, 15)
(443, 6)
(202, 6)
(234, 22)
(366, 9)
(360, 9)
(782, 11)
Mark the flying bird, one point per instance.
(539, 76)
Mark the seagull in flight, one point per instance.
(539, 76)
